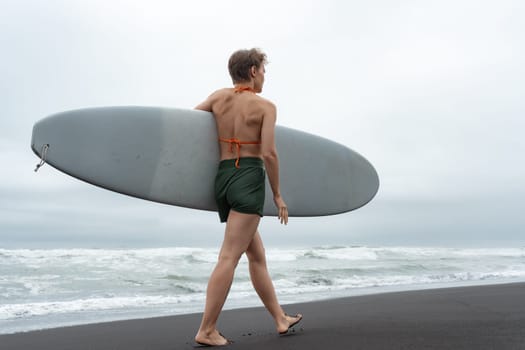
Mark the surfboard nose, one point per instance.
(318, 175)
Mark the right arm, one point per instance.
(207, 105)
(271, 159)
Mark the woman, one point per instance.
(246, 127)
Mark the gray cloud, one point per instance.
(431, 93)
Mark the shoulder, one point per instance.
(266, 104)
(268, 109)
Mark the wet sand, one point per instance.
(479, 317)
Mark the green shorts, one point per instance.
(240, 189)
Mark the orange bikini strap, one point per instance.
(238, 143)
(239, 89)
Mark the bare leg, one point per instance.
(262, 283)
(240, 229)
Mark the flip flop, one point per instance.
(293, 324)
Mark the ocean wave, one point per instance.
(53, 282)
(23, 310)
(181, 278)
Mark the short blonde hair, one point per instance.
(242, 61)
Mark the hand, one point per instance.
(282, 209)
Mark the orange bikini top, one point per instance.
(233, 140)
(238, 143)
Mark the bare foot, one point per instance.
(288, 322)
(212, 339)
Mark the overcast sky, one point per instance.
(431, 92)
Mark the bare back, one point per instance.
(241, 115)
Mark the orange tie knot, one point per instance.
(234, 141)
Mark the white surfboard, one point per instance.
(171, 155)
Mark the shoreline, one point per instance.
(480, 317)
(233, 306)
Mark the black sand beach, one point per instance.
(479, 317)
